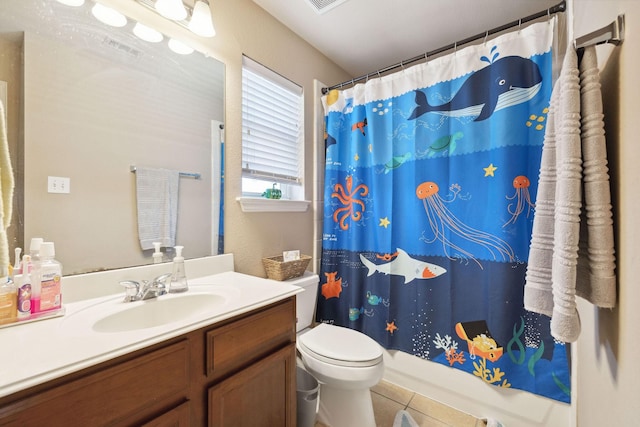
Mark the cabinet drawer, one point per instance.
(117, 395)
(244, 341)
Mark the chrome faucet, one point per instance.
(134, 291)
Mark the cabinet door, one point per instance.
(262, 395)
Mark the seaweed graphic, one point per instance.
(560, 385)
(534, 359)
(489, 376)
(516, 340)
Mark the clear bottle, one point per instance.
(8, 301)
(24, 288)
(179, 275)
(34, 248)
(46, 281)
(157, 255)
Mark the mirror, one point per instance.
(85, 102)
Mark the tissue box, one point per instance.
(277, 269)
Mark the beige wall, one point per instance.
(244, 28)
(607, 373)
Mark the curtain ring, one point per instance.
(485, 38)
(402, 65)
(519, 25)
(426, 57)
(455, 47)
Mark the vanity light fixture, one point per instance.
(74, 3)
(179, 47)
(201, 23)
(108, 16)
(147, 34)
(171, 9)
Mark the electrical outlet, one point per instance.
(59, 184)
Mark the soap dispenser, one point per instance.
(179, 275)
(157, 255)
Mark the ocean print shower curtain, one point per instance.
(429, 198)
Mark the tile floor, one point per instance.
(389, 398)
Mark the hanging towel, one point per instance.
(596, 257)
(157, 201)
(552, 272)
(6, 186)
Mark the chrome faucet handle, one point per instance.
(162, 279)
(132, 289)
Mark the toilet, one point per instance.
(346, 363)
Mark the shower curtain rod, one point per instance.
(560, 7)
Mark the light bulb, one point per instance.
(72, 2)
(201, 23)
(179, 47)
(108, 16)
(147, 34)
(171, 9)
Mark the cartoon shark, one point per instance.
(404, 265)
(507, 82)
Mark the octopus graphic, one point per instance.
(350, 203)
(444, 223)
(522, 198)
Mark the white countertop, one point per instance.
(40, 351)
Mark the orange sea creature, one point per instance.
(332, 287)
(348, 199)
(444, 223)
(360, 125)
(391, 327)
(521, 184)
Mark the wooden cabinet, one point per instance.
(239, 372)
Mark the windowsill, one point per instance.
(260, 204)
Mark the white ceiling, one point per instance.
(362, 36)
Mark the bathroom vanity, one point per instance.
(232, 365)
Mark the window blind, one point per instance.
(272, 125)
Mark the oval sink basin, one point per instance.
(158, 311)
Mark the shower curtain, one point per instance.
(429, 196)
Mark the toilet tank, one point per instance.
(305, 301)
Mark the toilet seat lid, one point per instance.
(341, 346)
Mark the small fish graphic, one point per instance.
(354, 313)
(404, 265)
(360, 125)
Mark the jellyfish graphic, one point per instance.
(522, 198)
(444, 223)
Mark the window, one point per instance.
(272, 132)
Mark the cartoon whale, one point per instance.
(506, 82)
(404, 265)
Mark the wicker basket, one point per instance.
(278, 270)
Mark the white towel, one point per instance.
(557, 270)
(6, 197)
(596, 261)
(157, 200)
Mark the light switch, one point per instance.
(59, 184)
